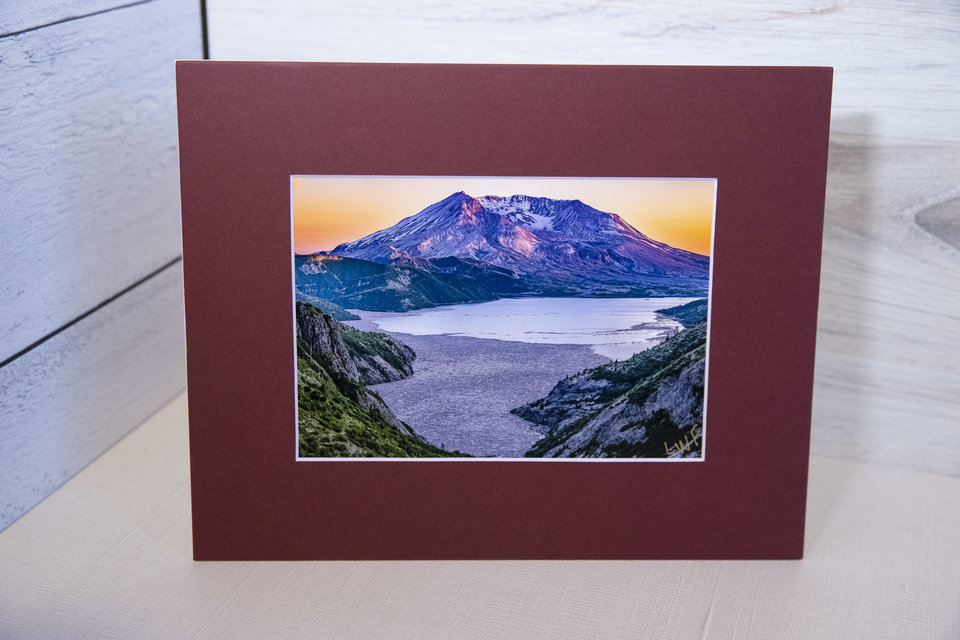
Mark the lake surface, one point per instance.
(462, 390)
(476, 362)
(613, 327)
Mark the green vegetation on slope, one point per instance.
(334, 424)
(687, 314)
(338, 415)
(634, 371)
(645, 388)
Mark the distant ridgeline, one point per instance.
(371, 286)
(466, 249)
(328, 307)
(338, 415)
(648, 406)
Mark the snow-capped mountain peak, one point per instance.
(532, 236)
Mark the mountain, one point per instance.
(648, 406)
(372, 286)
(555, 247)
(338, 415)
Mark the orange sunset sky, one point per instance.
(329, 210)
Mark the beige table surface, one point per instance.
(108, 556)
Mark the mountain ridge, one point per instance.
(372, 286)
(556, 247)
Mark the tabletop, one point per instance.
(109, 556)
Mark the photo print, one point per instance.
(501, 318)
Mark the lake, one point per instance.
(615, 328)
(476, 362)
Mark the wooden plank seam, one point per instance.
(72, 18)
(89, 312)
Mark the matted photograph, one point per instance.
(501, 318)
(456, 311)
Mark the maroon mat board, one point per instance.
(245, 128)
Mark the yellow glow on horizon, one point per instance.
(330, 210)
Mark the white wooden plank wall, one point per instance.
(89, 195)
(89, 209)
(70, 399)
(888, 360)
(17, 17)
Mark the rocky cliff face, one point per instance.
(364, 356)
(650, 405)
(322, 340)
(338, 416)
(377, 356)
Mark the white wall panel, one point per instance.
(23, 15)
(89, 207)
(89, 199)
(68, 400)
